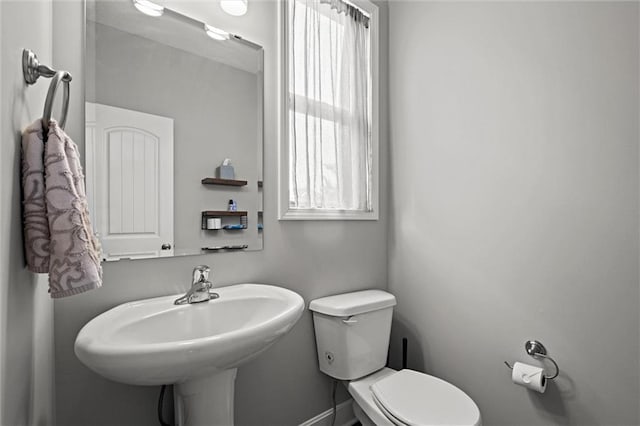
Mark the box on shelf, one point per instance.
(225, 172)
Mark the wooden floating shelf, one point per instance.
(221, 213)
(224, 182)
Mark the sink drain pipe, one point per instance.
(160, 405)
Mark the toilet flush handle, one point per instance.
(349, 321)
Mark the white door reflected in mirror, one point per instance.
(129, 156)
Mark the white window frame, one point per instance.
(285, 212)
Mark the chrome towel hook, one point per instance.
(32, 69)
(536, 349)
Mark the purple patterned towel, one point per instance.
(73, 260)
(34, 210)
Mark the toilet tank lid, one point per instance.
(358, 302)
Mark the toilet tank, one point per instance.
(352, 332)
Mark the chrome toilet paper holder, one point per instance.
(537, 350)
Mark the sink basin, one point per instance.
(154, 342)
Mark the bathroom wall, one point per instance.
(514, 158)
(26, 312)
(315, 258)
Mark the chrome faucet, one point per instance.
(200, 290)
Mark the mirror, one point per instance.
(166, 105)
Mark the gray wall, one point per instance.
(514, 157)
(26, 312)
(283, 386)
(214, 118)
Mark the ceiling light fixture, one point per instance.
(215, 33)
(234, 7)
(148, 8)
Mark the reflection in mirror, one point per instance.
(166, 105)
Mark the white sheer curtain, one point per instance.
(329, 97)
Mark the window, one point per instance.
(329, 134)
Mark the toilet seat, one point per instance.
(360, 390)
(387, 414)
(410, 398)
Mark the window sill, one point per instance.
(317, 214)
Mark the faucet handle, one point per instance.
(201, 273)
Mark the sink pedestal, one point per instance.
(205, 401)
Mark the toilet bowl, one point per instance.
(352, 337)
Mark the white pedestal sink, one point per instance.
(196, 347)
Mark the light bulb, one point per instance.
(234, 7)
(148, 8)
(215, 33)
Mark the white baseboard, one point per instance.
(344, 416)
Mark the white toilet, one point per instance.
(352, 336)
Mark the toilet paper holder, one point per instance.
(536, 349)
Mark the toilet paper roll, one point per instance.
(529, 376)
(214, 223)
